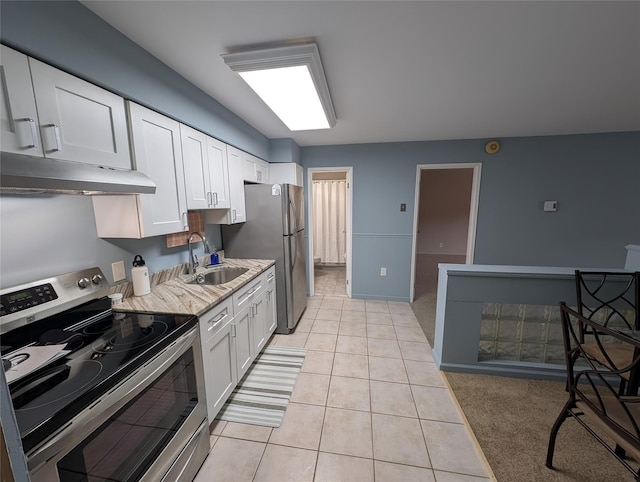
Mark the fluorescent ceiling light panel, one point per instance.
(290, 80)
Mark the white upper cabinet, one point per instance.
(286, 173)
(236, 212)
(79, 121)
(196, 169)
(254, 169)
(156, 153)
(19, 118)
(219, 174)
(206, 170)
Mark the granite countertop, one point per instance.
(176, 296)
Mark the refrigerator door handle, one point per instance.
(292, 209)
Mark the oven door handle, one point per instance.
(99, 412)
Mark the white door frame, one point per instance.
(473, 212)
(349, 175)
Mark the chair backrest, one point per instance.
(595, 385)
(609, 298)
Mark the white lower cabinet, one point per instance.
(242, 333)
(218, 355)
(233, 334)
(248, 301)
(270, 309)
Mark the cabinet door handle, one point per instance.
(215, 198)
(209, 199)
(56, 134)
(217, 320)
(34, 132)
(269, 295)
(233, 331)
(270, 278)
(185, 220)
(233, 214)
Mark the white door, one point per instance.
(218, 174)
(19, 118)
(196, 172)
(79, 121)
(157, 153)
(327, 173)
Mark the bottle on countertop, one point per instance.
(140, 277)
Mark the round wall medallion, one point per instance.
(492, 147)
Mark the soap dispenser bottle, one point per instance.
(140, 277)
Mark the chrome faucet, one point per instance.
(193, 259)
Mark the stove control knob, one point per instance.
(97, 279)
(83, 283)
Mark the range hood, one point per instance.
(23, 174)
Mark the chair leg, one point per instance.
(554, 432)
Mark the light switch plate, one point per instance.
(383, 271)
(118, 271)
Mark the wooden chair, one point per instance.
(595, 400)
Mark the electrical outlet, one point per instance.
(383, 271)
(118, 271)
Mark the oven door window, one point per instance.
(125, 446)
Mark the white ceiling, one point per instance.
(404, 71)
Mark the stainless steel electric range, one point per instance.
(100, 395)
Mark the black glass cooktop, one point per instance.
(105, 348)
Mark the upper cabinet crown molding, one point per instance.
(47, 112)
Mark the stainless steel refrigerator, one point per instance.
(275, 230)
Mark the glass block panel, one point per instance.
(487, 350)
(490, 310)
(488, 329)
(554, 332)
(507, 351)
(554, 313)
(533, 331)
(509, 329)
(554, 354)
(511, 311)
(532, 352)
(535, 312)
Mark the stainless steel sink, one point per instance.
(218, 277)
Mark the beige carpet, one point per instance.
(511, 417)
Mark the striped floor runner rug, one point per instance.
(263, 394)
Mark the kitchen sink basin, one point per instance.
(218, 277)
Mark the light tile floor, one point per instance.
(330, 280)
(368, 405)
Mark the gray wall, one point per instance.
(594, 178)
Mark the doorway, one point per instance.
(329, 202)
(445, 217)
